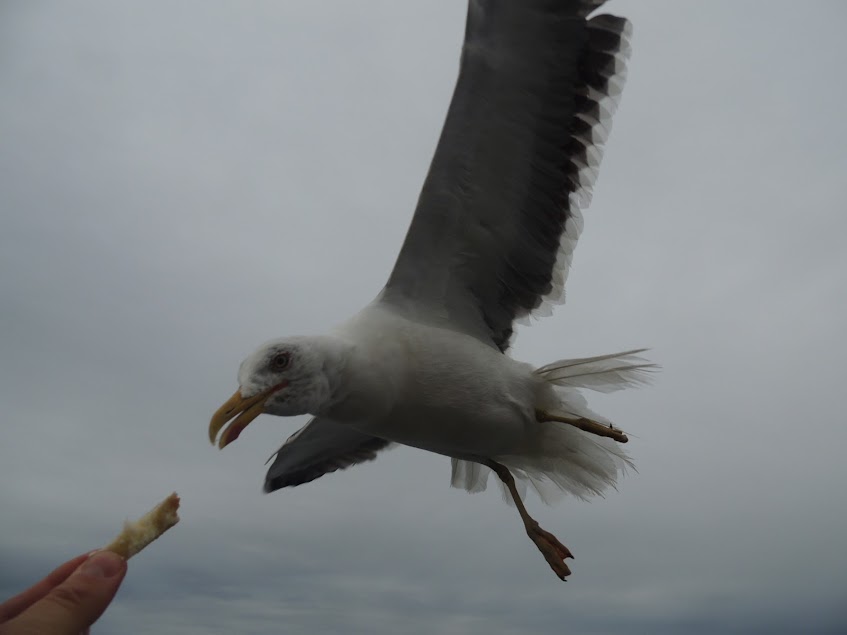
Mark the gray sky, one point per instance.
(182, 181)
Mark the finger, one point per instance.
(76, 603)
(13, 606)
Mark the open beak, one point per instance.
(242, 410)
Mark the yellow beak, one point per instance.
(243, 410)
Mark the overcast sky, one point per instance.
(180, 181)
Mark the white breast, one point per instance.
(438, 390)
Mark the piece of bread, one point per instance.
(137, 535)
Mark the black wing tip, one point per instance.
(367, 452)
(273, 483)
(589, 6)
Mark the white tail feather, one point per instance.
(604, 373)
(560, 458)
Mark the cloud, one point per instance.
(180, 183)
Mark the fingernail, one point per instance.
(103, 564)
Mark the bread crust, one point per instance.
(140, 533)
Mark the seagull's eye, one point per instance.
(280, 361)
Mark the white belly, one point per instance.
(451, 393)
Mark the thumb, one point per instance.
(76, 603)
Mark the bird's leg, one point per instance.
(587, 425)
(552, 550)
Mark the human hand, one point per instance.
(68, 601)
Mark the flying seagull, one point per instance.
(425, 364)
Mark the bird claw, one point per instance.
(586, 425)
(554, 552)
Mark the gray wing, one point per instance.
(320, 447)
(499, 214)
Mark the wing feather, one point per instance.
(499, 214)
(320, 447)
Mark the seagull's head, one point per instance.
(285, 377)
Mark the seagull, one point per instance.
(425, 364)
